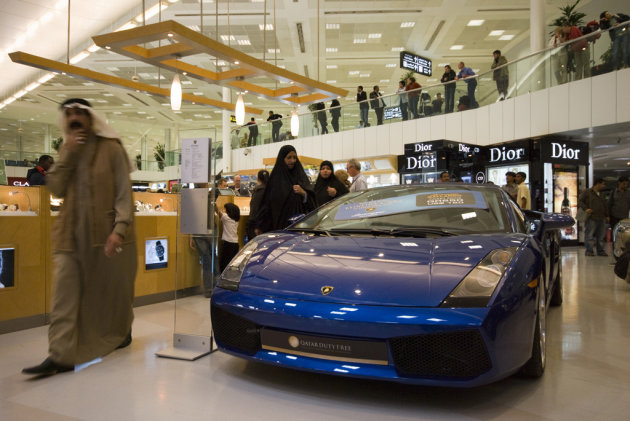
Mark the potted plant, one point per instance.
(569, 15)
(159, 153)
(56, 143)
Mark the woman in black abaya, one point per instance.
(288, 193)
(327, 186)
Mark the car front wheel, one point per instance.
(535, 367)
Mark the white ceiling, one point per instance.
(326, 24)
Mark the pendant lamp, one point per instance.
(295, 123)
(176, 94)
(240, 110)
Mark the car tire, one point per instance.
(556, 297)
(535, 367)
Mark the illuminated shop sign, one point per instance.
(418, 64)
(427, 161)
(564, 152)
(509, 153)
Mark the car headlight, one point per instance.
(478, 286)
(231, 276)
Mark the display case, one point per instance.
(19, 201)
(147, 203)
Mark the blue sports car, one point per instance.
(441, 284)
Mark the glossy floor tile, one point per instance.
(587, 377)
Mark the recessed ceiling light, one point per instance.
(407, 24)
(360, 40)
(443, 64)
(126, 105)
(353, 72)
(273, 50)
(244, 42)
(331, 50)
(384, 81)
(332, 26)
(496, 33)
(198, 93)
(268, 27)
(375, 35)
(364, 75)
(142, 112)
(186, 82)
(331, 66)
(506, 37)
(475, 22)
(118, 112)
(108, 94)
(331, 81)
(457, 47)
(228, 38)
(391, 65)
(398, 48)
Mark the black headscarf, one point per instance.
(322, 184)
(280, 202)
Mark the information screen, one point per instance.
(418, 64)
(7, 260)
(156, 253)
(392, 112)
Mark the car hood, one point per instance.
(399, 271)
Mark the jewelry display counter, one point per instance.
(25, 248)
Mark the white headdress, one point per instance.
(100, 127)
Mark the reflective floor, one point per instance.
(587, 376)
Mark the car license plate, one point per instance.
(369, 352)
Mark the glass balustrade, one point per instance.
(581, 58)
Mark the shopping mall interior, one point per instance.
(563, 126)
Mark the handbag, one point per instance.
(582, 216)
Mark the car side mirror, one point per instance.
(296, 218)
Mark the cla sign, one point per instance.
(500, 154)
(561, 151)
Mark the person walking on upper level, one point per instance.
(253, 132)
(377, 104)
(404, 101)
(449, 89)
(413, 96)
(276, 123)
(502, 75)
(321, 117)
(335, 113)
(594, 204)
(354, 170)
(619, 37)
(581, 50)
(363, 106)
(468, 75)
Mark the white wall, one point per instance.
(592, 102)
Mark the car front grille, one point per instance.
(460, 354)
(235, 332)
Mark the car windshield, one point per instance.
(412, 210)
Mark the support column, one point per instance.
(47, 140)
(536, 25)
(225, 132)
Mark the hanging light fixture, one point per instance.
(176, 94)
(295, 123)
(240, 110)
